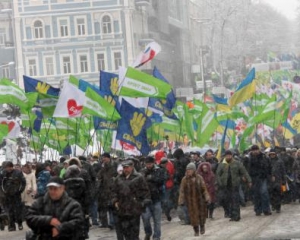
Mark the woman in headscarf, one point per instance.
(208, 176)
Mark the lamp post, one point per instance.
(201, 21)
(7, 64)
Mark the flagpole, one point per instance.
(32, 135)
(47, 135)
(57, 139)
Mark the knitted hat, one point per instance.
(191, 166)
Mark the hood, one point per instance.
(76, 161)
(178, 153)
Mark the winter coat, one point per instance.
(194, 195)
(66, 210)
(132, 194)
(105, 179)
(155, 179)
(30, 189)
(209, 179)
(171, 171)
(259, 167)
(13, 183)
(76, 188)
(237, 171)
(42, 180)
(180, 164)
(288, 163)
(278, 171)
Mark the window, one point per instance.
(106, 24)
(80, 26)
(83, 63)
(2, 36)
(101, 61)
(49, 66)
(38, 29)
(117, 59)
(32, 67)
(64, 29)
(5, 72)
(67, 65)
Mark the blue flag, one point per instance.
(132, 127)
(33, 85)
(108, 82)
(159, 106)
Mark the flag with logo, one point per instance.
(134, 83)
(14, 128)
(97, 106)
(151, 50)
(34, 85)
(132, 127)
(70, 102)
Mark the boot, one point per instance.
(202, 229)
(147, 237)
(210, 213)
(196, 230)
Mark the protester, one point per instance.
(155, 179)
(29, 193)
(208, 176)
(168, 201)
(55, 215)
(105, 177)
(13, 184)
(209, 157)
(194, 195)
(278, 179)
(130, 196)
(260, 171)
(229, 175)
(42, 179)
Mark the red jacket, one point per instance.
(171, 171)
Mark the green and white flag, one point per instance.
(267, 113)
(134, 83)
(95, 105)
(207, 124)
(3, 131)
(11, 93)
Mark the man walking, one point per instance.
(229, 174)
(130, 195)
(13, 184)
(155, 179)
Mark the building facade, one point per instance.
(7, 48)
(58, 38)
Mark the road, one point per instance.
(284, 225)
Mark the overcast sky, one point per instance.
(286, 7)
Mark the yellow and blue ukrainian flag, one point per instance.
(245, 91)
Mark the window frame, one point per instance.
(40, 31)
(65, 26)
(77, 25)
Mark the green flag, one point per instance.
(96, 105)
(207, 124)
(47, 104)
(11, 93)
(267, 113)
(135, 83)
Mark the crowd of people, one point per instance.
(64, 199)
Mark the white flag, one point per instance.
(14, 129)
(70, 102)
(151, 50)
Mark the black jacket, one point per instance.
(259, 167)
(131, 193)
(12, 183)
(180, 164)
(66, 210)
(155, 179)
